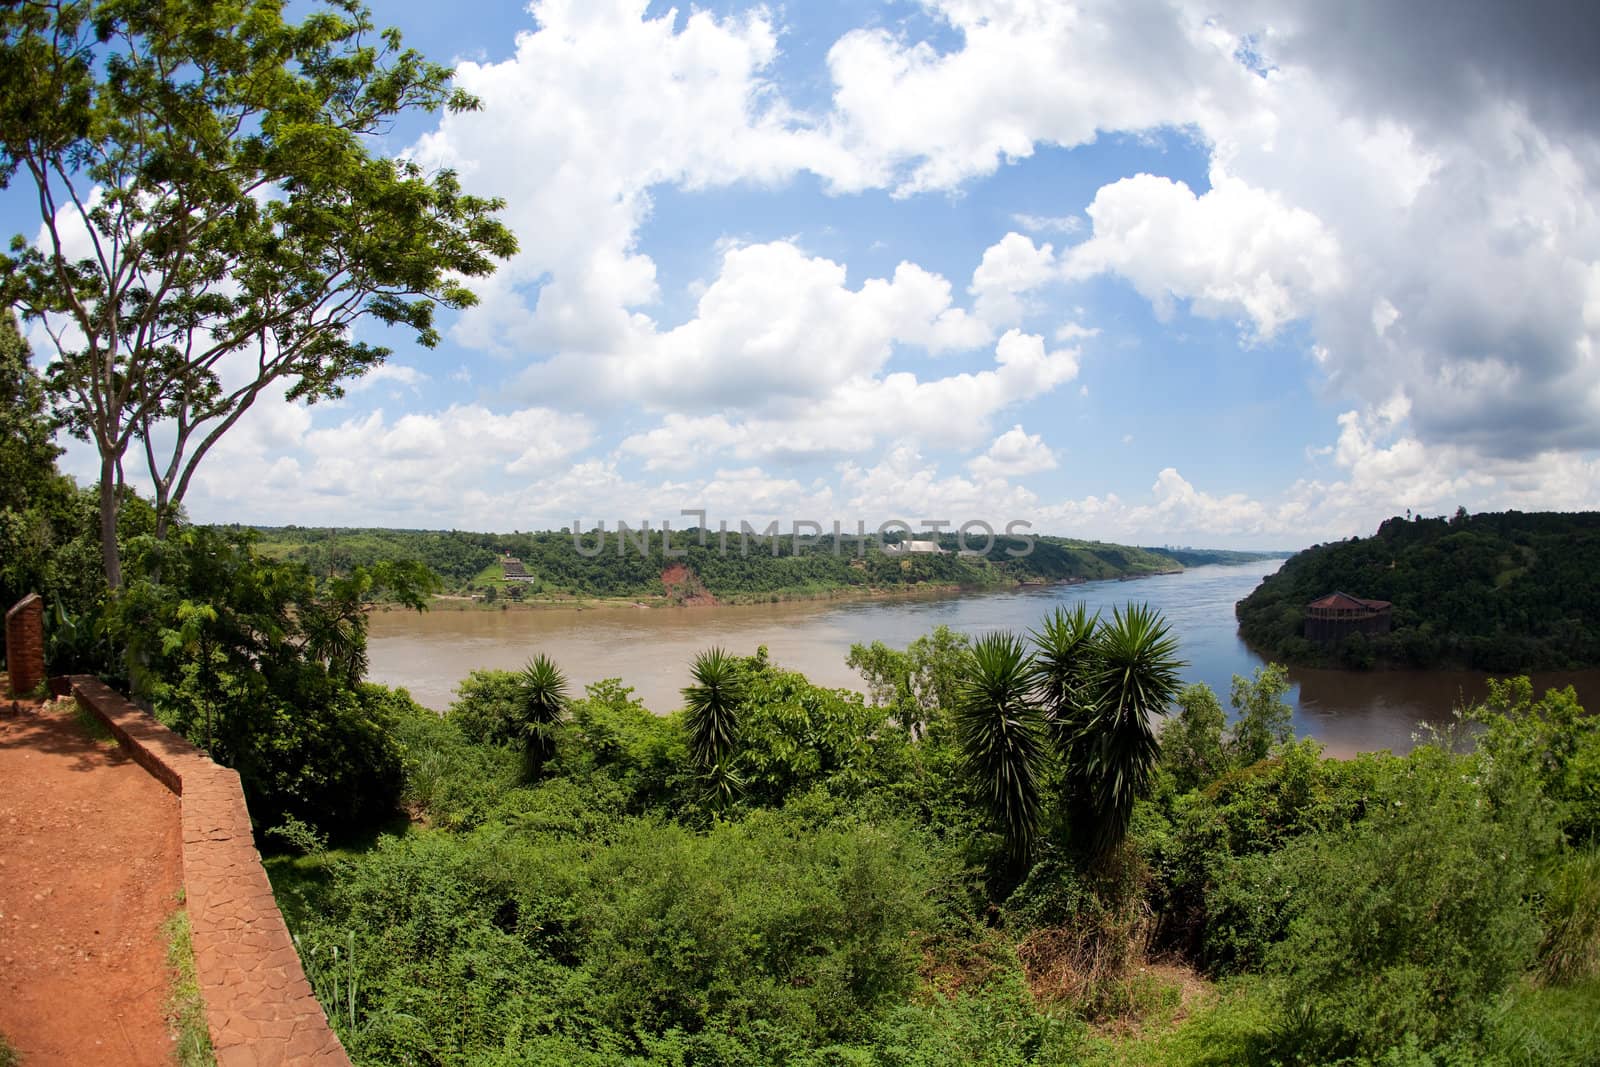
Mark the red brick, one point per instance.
(25, 644)
(258, 1003)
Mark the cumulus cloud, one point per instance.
(1010, 269)
(860, 414)
(775, 325)
(1014, 453)
(1027, 73)
(1231, 251)
(598, 104)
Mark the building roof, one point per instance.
(913, 546)
(1346, 602)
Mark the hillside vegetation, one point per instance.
(1510, 591)
(766, 568)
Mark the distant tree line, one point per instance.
(760, 567)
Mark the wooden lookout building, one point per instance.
(1338, 615)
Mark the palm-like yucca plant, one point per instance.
(1136, 679)
(713, 708)
(1001, 731)
(1064, 661)
(542, 701)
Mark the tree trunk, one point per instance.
(109, 502)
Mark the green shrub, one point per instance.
(488, 706)
(259, 662)
(1414, 919)
(1570, 950)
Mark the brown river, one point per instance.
(650, 648)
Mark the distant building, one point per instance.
(514, 570)
(1338, 615)
(906, 548)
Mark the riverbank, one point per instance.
(840, 594)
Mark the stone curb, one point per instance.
(259, 1006)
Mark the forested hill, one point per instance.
(1201, 557)
(470, 562)
(1509, 591)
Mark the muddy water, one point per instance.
(650, 649)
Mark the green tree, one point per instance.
(1264, 716)
(259, 662)
(27, 453)
(543, 704)
(1065, 659)
(1192, 742)
(1415, 918)
(1001, 733)
(712, 706)
(214, 219)
(1116, 749)
(918, 682)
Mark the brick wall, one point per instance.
(25, 644)
(259, 1006)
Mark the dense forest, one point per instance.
(757, 568)
(1508, 592)
(838, 881)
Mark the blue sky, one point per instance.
(1221, 274)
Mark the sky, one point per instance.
(1224, 273)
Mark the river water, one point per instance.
(651, 648)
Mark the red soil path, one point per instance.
(90, 866)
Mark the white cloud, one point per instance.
(409, 378)
(598, 104)
(1011, 268)
(1066, 224)
(1013, 454)
(861, 413)
(1232, 251)
(1026, 73)
(776, 325)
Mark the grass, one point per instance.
(94, 726)
(186, 1010)
(8, 1055)
(1534, 1026)
(1227, 1028)
(1539, 1024)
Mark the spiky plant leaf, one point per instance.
(543, 702)
(1065, 659)
(1117, 749)
(712, 704)
(1000, 729)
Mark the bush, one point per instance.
(1570, 950)
(487, 708)
(1414, 919)
(627, 939)
(259, 663)
(334, 763)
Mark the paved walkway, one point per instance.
(89, 872)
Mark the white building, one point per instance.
(906, 548)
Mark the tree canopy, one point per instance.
(216, 220)
(1510, 591)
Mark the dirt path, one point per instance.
(89, 871)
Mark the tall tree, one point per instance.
(1065, 659)
(27, 454)
(215, 220)
(1265, 718)
(1000, 729)
(1117, 748)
